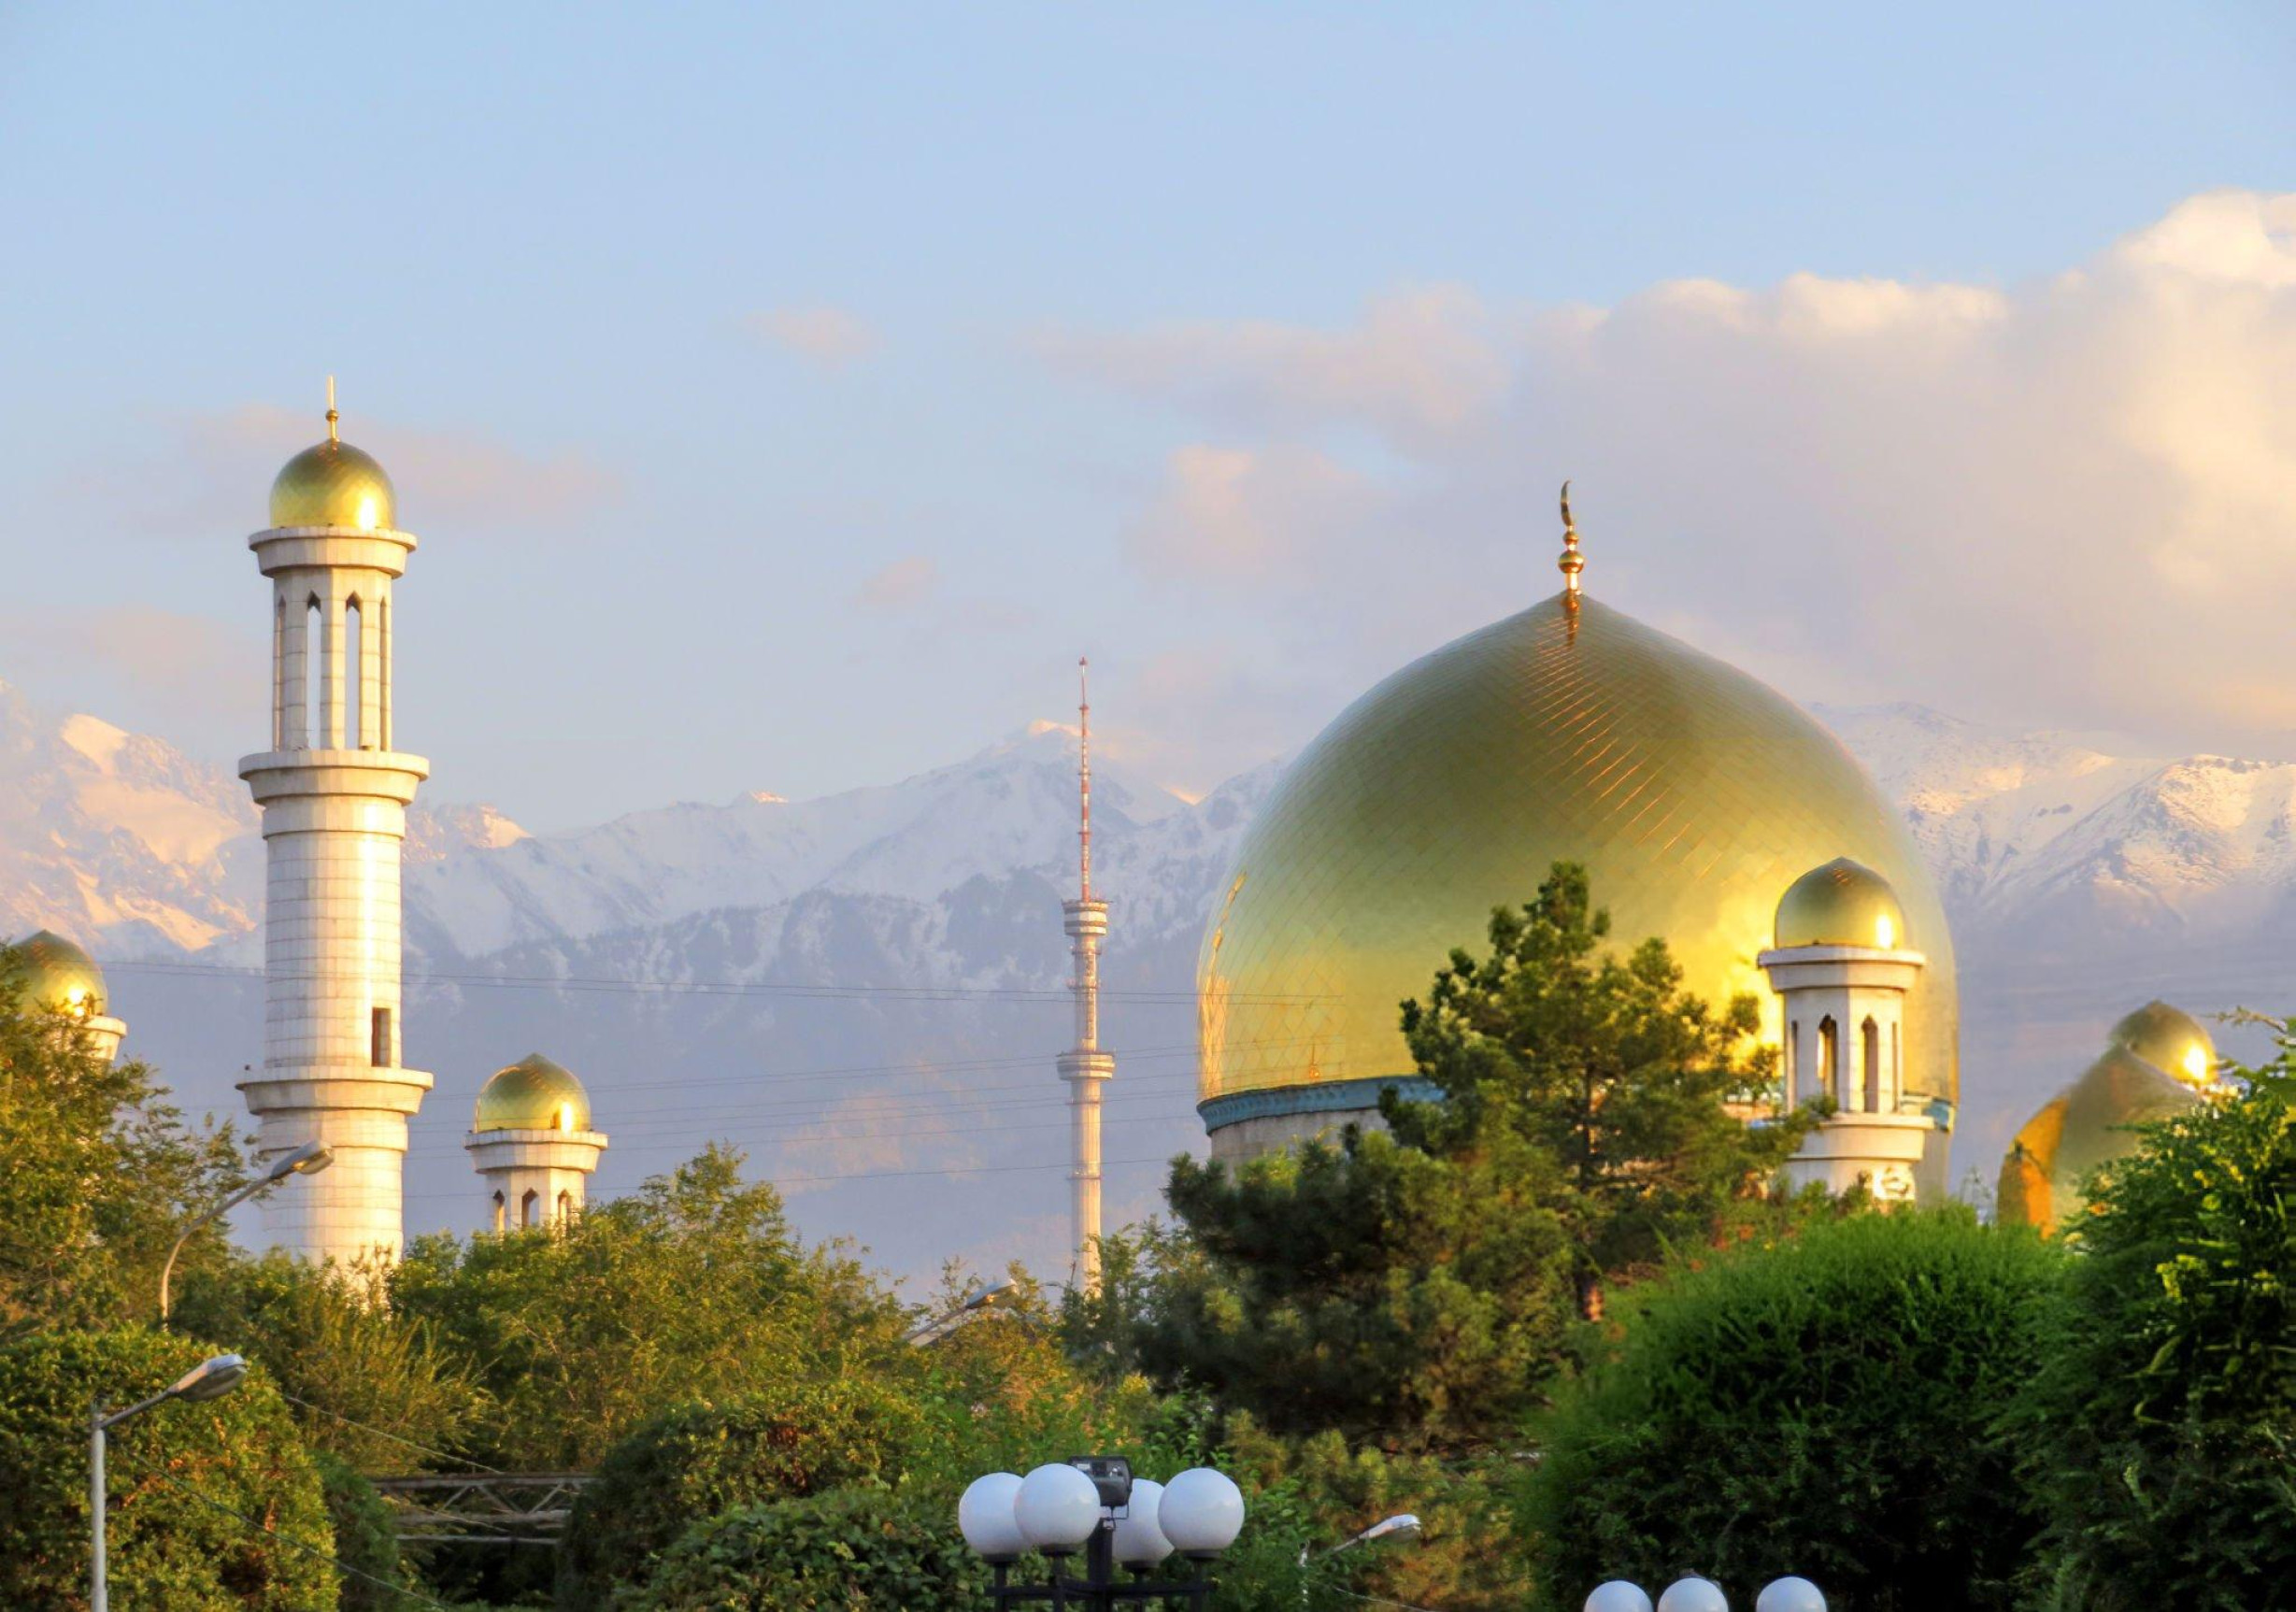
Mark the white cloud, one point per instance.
(906, 582)
(2072, 501)
(829, 336)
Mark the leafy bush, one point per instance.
(1827, 1406)
(2162, 1436)
(862, 1550)
(214, 1506)
(366, 1539)
(699, 1460)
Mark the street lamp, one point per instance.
(1399, 1528)
(1693, 1594)
(1092, 1503)
(208, 1380)
(309, 1159)
(1701, 1595)
(978, 1302)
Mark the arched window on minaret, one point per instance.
(314, 734)
(1829, 1058)
(526, 1206)
(501, 1212)
(1793, 1064)
(279, 670)
(565, 1207)
(1871, 1049)
(355, 737)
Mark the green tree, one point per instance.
(1828, 1404)
(691, 1287)
(702, 1459)
(2162, 1436)
(214, 1506)
(97, 1174)
(862, 1550)
(1637, 1091)
(1420, 1287)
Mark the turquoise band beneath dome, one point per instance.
(1322, 1097)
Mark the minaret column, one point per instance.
(1085, 1066)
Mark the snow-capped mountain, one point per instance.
(864, 989)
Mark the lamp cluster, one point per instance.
(1704, 1595)
(1092, 1503)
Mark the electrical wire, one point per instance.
(335, 1562)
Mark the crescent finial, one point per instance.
(1571, 562)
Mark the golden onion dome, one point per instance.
(1692, 794)
(2087, 1124)
(332, 483)
(533, 1094)
(2171, 1040)
(1841, 903)
(53, 972)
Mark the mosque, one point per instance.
(1708, 810)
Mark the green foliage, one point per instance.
(691, 1287)
(366, 1382)
(2162, 1434)
(1419, 1288)
(1827, 1404)
(859, 1550)
(1602, 1065)
(97, 1175)
(176, 1476)
(702, 1459)
(366, 1539)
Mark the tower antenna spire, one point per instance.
(1084, 777)
(332, 415)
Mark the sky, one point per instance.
(785, 397)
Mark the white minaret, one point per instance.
(333, 793)
(531, 1143)
(1842, 970)
(1085, 1066)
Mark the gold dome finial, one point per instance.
(1572, 561)
(332, 416)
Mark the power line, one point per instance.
(866, 1174)
(395, 1438)
(292, 1544)
(1046, 994)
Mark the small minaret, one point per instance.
(54, 972)
(531, 1143)
(1085, 1066)
(333, 789)
(1842, 969)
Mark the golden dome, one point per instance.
(1842, 904)
(52, 972)
(533, 1094)
(332, 483)
(1692, 794)
(2171, 1040)
(2086, 1124)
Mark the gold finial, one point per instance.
(333, 417)
(1572, 561)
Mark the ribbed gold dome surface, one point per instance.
(55, 972)
(533, 1094)
(1842, 904)
(2086, 1124)
(333, 484)
(1694, 794)
(2171, 1040)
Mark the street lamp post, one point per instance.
(205, 1380)
(1398, 1529)
(308, 1159)
(980, 1301)
(1093, 1503)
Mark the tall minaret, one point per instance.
(334, 794)
(1085, 1066)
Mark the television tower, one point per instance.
(1085, 1066)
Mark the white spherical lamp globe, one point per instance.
(1058, 1509)
(1140, 1540)
(1790, 1595)
(1201, 1512)
(985, 1517)
(1693, 1595)
(1618, 1596)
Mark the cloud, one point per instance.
(829, 337)
(2071, 500)
(900, 586)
